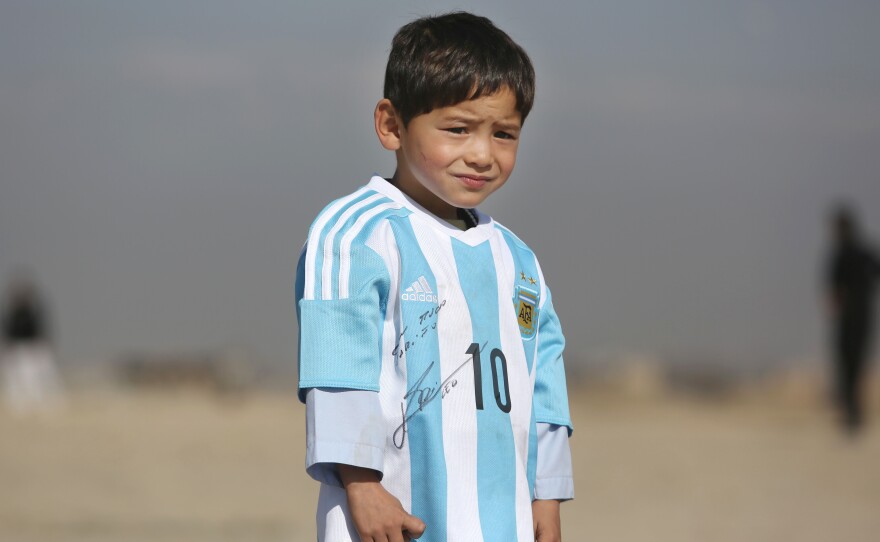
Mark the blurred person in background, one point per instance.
(29, 376)
(852, 273)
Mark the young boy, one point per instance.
(430, 353)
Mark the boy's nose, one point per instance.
(479, 153)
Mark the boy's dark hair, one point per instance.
(445, 60)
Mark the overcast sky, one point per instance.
(160, 163)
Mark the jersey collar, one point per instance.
(473, 236)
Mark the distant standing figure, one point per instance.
(29, 376)
(851, 277)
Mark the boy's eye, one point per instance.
(504, 135)
(457, 130)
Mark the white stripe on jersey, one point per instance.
(327, 264)
(520, 414)
(345, 246)
(425, 285)
(543, 284)
(392, 378)
(315, 238)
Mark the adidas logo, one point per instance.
(420, 290)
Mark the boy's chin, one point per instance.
(467, 203)
(468, 199)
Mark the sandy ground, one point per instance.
(188, 466)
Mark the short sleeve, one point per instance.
(551, 394)
(341, 312)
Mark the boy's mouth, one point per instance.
(473, 181)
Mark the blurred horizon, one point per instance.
(160, 164)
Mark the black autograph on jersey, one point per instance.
(419, 396)
(427, 321)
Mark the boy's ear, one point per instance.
(388, 124)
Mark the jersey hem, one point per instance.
(323, 456)
(336, 384)
(559, 489)
(565, 422)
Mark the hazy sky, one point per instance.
(160, 163)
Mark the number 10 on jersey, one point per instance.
(496, 358)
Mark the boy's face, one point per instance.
(456, 156)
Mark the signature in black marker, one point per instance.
(429, 319)
(417, 397)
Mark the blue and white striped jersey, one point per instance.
(456, 333)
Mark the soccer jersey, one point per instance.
(455, 333)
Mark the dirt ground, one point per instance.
(189, 466)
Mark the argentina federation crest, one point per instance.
(525, 301)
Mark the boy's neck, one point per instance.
(465, 219)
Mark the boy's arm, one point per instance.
(340, 325)
(553, 475)
(344, 447)
(554, 481)
(550, 399)
(545, 518)
(341, 318)
(551, 393)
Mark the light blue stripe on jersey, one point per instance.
(329, 226)
(496, 452)
(424, 429)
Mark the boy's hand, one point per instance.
(377, 514)
(545, 516)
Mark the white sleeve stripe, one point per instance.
(543, 284)
(327, 264)
(315, 237)
(348, 238)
